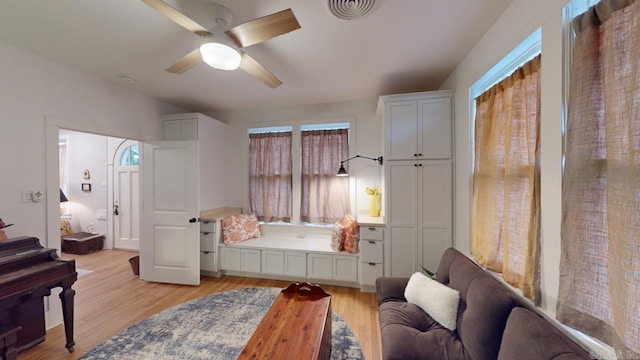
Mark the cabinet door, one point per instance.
(435, 212)
(229, 258)
(295, 264)
(319, 266)
(434, 127)
(402, 129)
(402, 205)
(250, 260)
(345, 268)
(272, 262)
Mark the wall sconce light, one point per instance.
(343, 172)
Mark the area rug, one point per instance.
(215, 326)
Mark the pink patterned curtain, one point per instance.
(325, 196)
(270, 176)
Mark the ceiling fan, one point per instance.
(220, 48)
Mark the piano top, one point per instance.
(25, 264)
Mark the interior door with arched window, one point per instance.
(126, 196)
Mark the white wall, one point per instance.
(32, 88)
(87, 151)
(365, 141)
(519, 20)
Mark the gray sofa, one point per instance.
(492, 323)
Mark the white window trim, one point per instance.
(525, 51)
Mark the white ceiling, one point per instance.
(401, 46)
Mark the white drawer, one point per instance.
(207, 242)
(208, 261)
(371, 251)
(207, 226)
(371, 233)
(370, 272)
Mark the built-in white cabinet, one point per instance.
(418, 180)
(246, 260)
(371, 255)
(418, 126)
(211, 137)
(290, 264)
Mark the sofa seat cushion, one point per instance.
(410, 333)
(530, 337)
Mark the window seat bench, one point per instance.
(293, 256)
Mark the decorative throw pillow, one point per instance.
(351, 234)
(65, 228)
(436, 299)
(240, 227)
(337, 237)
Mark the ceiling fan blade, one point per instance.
(176, 16)
(187, 62)
(264, 28)
(255, 69)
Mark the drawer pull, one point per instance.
(371, 242)
(372, 229)
(206, 252)
(206, 233)
(372, 264)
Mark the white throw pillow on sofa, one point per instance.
(436, 299)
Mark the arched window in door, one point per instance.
(130, 156)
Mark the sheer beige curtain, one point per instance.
(505, 214)
(270, 176)
(325, 196)
(599, 290)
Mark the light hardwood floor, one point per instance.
(111, 298)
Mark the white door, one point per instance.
(170, 244)
(126, 196)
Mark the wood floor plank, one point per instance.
(111, 298)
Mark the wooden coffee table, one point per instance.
(297, 326)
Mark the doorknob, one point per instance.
(193, 220)
(115, 208)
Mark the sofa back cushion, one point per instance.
(528, 336)
(484, 307)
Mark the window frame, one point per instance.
(296, 156)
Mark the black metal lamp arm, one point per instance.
(378, 159)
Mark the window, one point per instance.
(506, 182)
(325, 196)
(292, 173)
(130, 156)
(270, 175)
(600, 262)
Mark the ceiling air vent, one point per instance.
(350, 9)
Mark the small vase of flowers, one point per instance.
(374, 200)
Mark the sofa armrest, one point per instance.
(391, 288)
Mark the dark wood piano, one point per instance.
(28, 272)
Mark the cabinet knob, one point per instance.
(419, 164)
(415, 165)
(416, 155)
(420, 154)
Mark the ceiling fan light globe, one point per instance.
(220, 56)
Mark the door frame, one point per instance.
(53, 124)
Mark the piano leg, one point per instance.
(66, 296)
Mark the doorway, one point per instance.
(97, 172)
